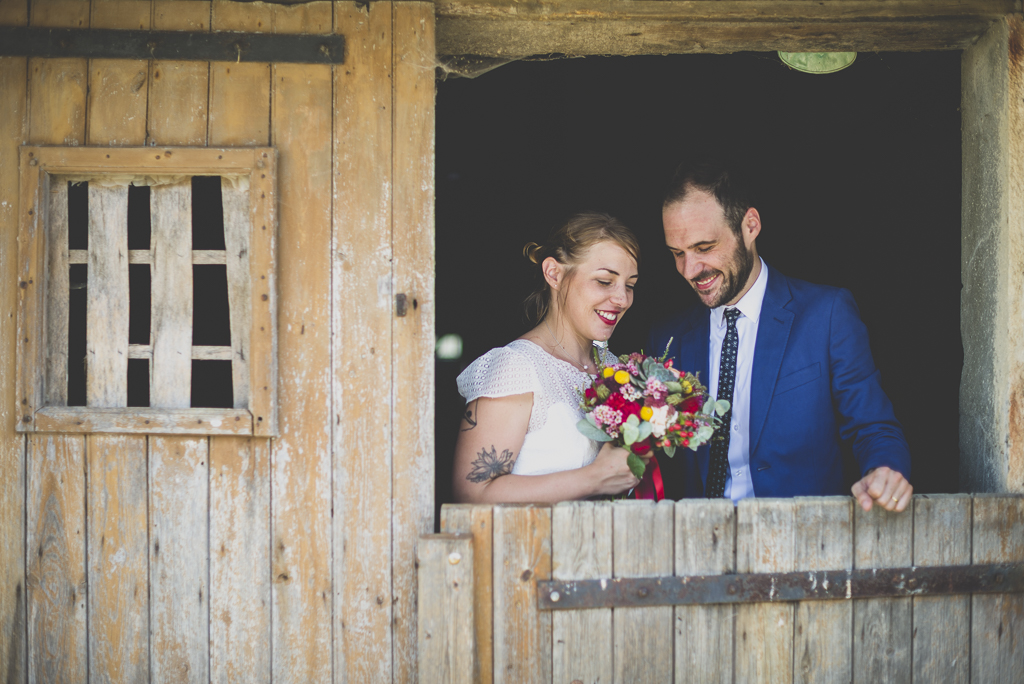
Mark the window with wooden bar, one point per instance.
(147, 291)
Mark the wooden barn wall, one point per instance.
(166, 558)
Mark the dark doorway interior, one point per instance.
(859, 176)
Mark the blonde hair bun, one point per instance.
(532, 252)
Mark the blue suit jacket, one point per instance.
(813, 383)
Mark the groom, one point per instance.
(791, 357)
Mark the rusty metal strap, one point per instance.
(19, 41)
(789, 586)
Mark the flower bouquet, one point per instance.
(644, 404)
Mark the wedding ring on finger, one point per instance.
(895, 500)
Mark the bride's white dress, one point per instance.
(552, 443)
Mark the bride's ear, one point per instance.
(553, 272)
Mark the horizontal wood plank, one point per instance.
(199, 353)
(200, 257)
(147, 161)
(143, 420)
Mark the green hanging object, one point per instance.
(818, 62)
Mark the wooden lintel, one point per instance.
(510, 29)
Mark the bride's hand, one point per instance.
(611, 474)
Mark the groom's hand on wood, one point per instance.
(885, 487)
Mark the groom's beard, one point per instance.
(733, 278)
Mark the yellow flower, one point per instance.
(608, 372)
(646, 413)
(621, 377)
(687, 387)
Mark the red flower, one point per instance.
(692, 405)
(589, 393)
(620, 403)
(641, 448)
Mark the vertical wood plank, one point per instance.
(178, 559)
(522, 557)
(446, 636)
(106, 378)
(764, 631)
(57, 92)
(124, 14)
(179, 91)
(177, 102)
(14, 13)
(171, 274)
(824, 541)
(118, 559)
(57, 575)
(13, 132)
(643, 547)
(57, 97)
(413, 335)
(581, 548)
(997, 620)
(181, 15)
(705, 545)
(240, 485)
(301, 129)
(117, 100)
(882, 627)
(240, 560)
(478, 521)
(57, 294)
(63, 13)
(942, 624)
(237, 224)
(362, 306)
(239, 93)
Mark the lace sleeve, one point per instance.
(500, 372)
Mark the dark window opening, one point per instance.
(211, 322)
(211, 384)
(138, 382)
(859, 178)
(207, 213)
(139, 303)
(138, 217)
(76, 333)
(78, 216)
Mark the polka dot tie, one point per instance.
(718, 470)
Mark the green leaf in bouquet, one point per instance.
(591, 431)
(709, 407)
(633, 420)
(674, 399)
(630, 433)
(662, 374)
(670, 450)
(603, 392)
(645, 431)
(674, 386)
(704, 432)
(721, 407)
(636, 465)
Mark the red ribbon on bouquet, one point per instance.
(651, 485)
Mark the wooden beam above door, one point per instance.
(513, 29)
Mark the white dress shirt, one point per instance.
(739, 484)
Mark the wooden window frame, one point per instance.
(35, 411)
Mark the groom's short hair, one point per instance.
(717, 177)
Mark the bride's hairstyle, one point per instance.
(567, 246)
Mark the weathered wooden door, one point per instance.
(192, 558)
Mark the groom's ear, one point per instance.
(751, 225)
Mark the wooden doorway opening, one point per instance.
(859, 175)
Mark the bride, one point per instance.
(518, 440)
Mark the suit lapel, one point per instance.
(773, 329)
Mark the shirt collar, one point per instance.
(750, 304)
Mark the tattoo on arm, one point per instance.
(488, 465)
(469, 417)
